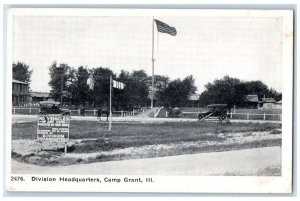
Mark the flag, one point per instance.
(164, 28)
(118, 85)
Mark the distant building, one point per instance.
(268, 103)
(36, 97)
(193, 100)
(19, 92)
(252, 101)
(278, 104)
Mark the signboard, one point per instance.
(53, 128)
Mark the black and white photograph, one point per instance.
(149, 100)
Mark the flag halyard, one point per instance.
(164, 28)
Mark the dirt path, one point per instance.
(146, 114)
(138, 118)
(239, 162)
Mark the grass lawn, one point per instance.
(152, 139)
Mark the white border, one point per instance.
(208, 184)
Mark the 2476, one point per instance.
(17, 178)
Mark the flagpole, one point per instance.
(110, 113)
(152, 93)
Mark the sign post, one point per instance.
(53, 128)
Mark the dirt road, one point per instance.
(239, 162)
(142, 119)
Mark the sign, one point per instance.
(53, 128)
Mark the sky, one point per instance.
(208, 48)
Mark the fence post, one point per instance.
(30, 110)
(166, 113)
(78, 111)
(14, 110)
(230, 115)
(247, 116)
(122, 115)
(264, 116)
(94, 112)
(133, 112)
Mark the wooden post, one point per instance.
(230, 115)
(30, 110)
(166, 113)
(14, 110)
(78, 111)
(94, 112)
(122, 114)
(247, 116)
(65, 147)
(133, 112)
(264, 116)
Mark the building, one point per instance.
(36, 97)
(268, 103)
(19, 92)
(278, 105)
(252, 101)
(193, 100)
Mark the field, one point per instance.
(90, 141)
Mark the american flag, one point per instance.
(118, 85)
(164, 28)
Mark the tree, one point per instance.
(138, 88)
(258, 88)
(21, 72)
(79, 89)
(61, 79)
(177, 92)
(274, 94)
(101, 80)
(230, 91)
(135, 93)
(160, 84)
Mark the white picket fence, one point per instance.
(35, 110)
(247, 116)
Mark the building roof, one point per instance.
(252, 98)
(19, 82)
(268, 100)
(40, 94)
(194, 97)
